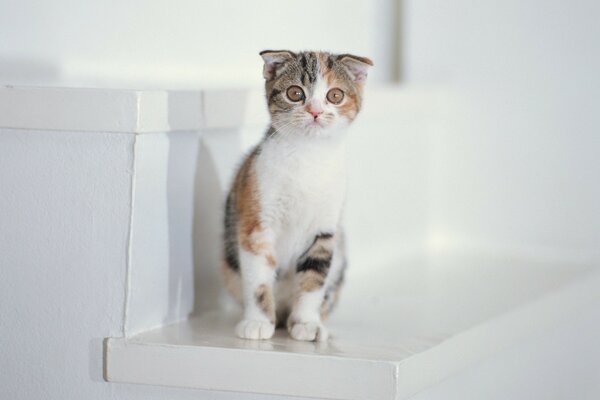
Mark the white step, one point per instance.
(398, 332)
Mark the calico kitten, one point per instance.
(284, 243)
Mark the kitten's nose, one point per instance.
(314, 110)
(315, 113)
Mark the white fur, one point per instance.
(302, 189)
(301, 184)
(256, 271)
(319, 94)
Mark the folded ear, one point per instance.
(356, 66)
(274, 59)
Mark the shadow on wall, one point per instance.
(209, 193)
(180, 206)
(206, 231)
(22, 71)
(175, 246)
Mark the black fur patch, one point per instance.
(303, 61)
(231, 245)
(274, 93)
(324, 236)
(329, 62)
(319, 265)
(312, 68)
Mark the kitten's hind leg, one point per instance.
(312, 270)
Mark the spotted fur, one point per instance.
(284, 253)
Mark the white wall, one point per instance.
(63, 246)
(181, 44)
(523, 135)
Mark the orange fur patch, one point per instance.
(311, 281)
(349, 107)
(323, 62)
(271, 260)
(248, 208)
(329, 77)
(265, 301)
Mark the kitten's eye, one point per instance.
(295, 93)
(335, 96)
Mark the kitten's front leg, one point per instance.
(305, 321)
(257, 267)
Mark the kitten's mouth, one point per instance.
(316, 123)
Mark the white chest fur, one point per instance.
(302, 190)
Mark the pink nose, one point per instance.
(314, 113)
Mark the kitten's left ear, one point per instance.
(356, 66)
(274, 59)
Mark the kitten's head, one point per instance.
(313, 92)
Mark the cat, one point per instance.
(284, 251)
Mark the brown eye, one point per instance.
(335, 96)
(295, 93)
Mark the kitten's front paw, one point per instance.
(308, 331)
(250, 329)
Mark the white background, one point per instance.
(185, 43)
(520, 160)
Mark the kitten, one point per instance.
(284, 244)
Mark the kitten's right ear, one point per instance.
(274, 59)
(356, 66)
